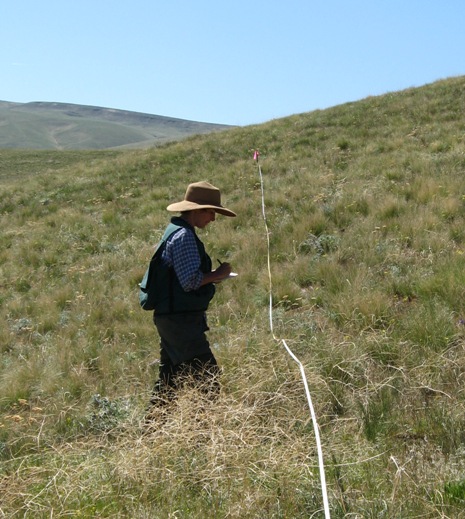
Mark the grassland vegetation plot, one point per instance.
(366, 211)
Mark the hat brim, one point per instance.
(185, 205)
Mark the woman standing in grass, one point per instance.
(185, 284)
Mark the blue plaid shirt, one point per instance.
(182, 254)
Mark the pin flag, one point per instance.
(256, 155)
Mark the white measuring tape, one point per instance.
(302, 371)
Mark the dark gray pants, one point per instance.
(185, 356)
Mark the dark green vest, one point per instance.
(173, 298)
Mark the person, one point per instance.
(187, 285)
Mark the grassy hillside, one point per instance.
(366, 212)
(65, 126)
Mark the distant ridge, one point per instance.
(61, 126)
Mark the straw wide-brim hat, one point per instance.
(201, 195)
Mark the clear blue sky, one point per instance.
(235, 62)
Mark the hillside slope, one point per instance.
(64, 126)
(365, 206)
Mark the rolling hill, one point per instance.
(65, 126)
(365, 206)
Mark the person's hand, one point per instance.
(215, 276)
(223, 271)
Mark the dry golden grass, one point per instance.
(365, 208)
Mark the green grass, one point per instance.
(365, 205)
